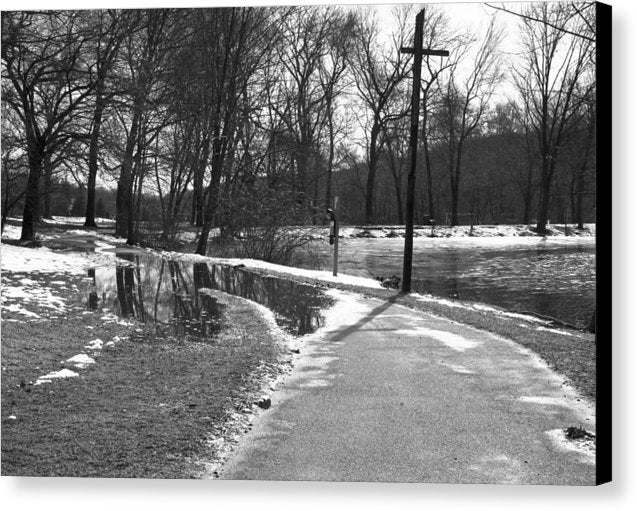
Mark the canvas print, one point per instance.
(349, 243)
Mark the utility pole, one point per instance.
(417, 51)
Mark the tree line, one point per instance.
(235, 117)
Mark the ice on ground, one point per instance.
(81, 361)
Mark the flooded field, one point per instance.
(552, 277)
(168, 294)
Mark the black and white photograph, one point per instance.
(307, 242)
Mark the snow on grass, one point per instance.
(483, 308)
(15, 307)
(42, 260)
(461, 231)
(81, 361)
(18, 294)
(553, 330)
(56, 375)
(585, 448)
(109, 317)
(96, 344)
(77, 220)
(113, 342)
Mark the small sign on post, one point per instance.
(333, 216)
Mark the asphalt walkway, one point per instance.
(386, 393)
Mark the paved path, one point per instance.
(391, 394)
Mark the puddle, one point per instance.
(167, 294)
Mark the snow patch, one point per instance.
(63, 373)
(81, 361)
(585, 448)
(41, 260)
(555, 331)
(17, 308)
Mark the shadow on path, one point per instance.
(356, 327)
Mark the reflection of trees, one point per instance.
(194, 313)
(180, 306)
(128, 282)
(297, 305)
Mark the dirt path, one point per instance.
(386, 393)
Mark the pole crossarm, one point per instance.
(426, 51)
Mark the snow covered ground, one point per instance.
(443, 231)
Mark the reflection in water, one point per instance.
(168, 294)
(297, 306)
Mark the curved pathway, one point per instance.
(385, 393)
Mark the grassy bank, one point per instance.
(145, 408)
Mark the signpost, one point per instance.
(333, 216)
(417, 51)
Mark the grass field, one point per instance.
(148, 405)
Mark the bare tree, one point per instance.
(236, 41)
(554, 81)
(332, 74)
(146, 51)
(465, 101)
(13, 162)
(437, 34)
(108, 27)
(47, 83)
(379, 71)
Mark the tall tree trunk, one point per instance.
(428, 171)
(135, 203)
(454, 202)
(124, 200)
(48, 183)
(545, 195)
(371, 175)
(198, 198)
(93, 155)
(32, 195)
(213, 197)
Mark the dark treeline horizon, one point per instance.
(240, 117)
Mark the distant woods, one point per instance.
(207, 116)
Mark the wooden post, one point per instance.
(417, 52)
(413, 148)
(335, 262)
